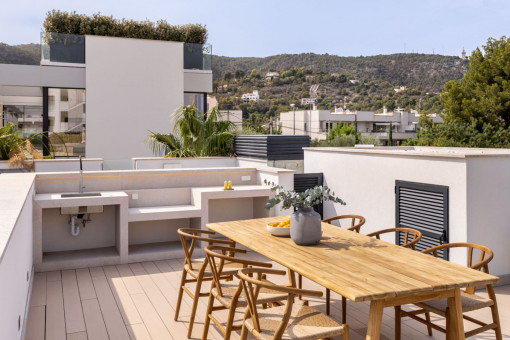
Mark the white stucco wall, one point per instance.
(366, 182)
(132, 86)
(488, 215)
(16, 252)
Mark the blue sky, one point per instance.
(261, 27)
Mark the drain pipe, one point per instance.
(75, 229)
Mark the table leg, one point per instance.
(455, 324)
(375, 320)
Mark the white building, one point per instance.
(119, 90)
(247, 97)
(272, 75)
(317, 123)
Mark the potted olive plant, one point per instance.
(305, 223)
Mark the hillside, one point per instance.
(29, 54)
(408, 81)
(427, 71)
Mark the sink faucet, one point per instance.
(80, 188)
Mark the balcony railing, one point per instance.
(69, 48)
(63, 48)
(197, 57)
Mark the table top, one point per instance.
(354, 265)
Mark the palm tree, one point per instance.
(195, 135)
(16, 148)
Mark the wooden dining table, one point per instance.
(362, 268)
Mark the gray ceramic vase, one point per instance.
(305, 227)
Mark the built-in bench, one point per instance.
(163, 213)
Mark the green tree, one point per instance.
(460, 134)
(342, 129)
(227, 77)
(482, 96)
(194, 136)
(238, 74)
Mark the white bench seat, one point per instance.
(163, 213)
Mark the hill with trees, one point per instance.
(29, 54)
(409, 81)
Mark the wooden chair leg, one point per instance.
(494, 311)
(328, 300)
(398, 320)
(230, 323)
(346, 332)
(179, 296)
(344, 310)
(244, 333)
(207, 320)
(300, 284)
(429, 328)
(194, 307)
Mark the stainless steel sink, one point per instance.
(83, 194)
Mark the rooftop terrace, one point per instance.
(118, 279)
(137, 301)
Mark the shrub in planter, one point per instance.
(73, 23)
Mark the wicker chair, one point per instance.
(356, 222)
(295, 320)
(197, 269)
(230, 294)
(411, 236)
(470, 301)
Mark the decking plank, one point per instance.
(39, 290)
(85, 284)
(96, 328)
(111, 314)
(127, 307)
(55, 316)
(161, 305)
(72, 303)
(36, 322)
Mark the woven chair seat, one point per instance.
(470, 302)
(306, 323)
(229, 268)
(228, 290)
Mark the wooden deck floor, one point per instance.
(137, 301)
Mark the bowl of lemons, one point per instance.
(279, 228)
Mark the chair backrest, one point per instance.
(356, 221)
(218, 255)
(194, 235)
(251, 282)
(411, 236)
(482, 264)
(484, 257)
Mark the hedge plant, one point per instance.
(73, 23)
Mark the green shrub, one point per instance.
(73, 23)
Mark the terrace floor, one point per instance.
(137, 301)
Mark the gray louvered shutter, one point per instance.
(423, 207)
(308, 181)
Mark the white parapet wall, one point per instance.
(478, 182)
(58, 165)
(145, 163)
(16, 252)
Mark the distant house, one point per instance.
(317, 123)
(400, 89)
(354, 81)
(248, 97)
(307, 101)
(272, 75)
